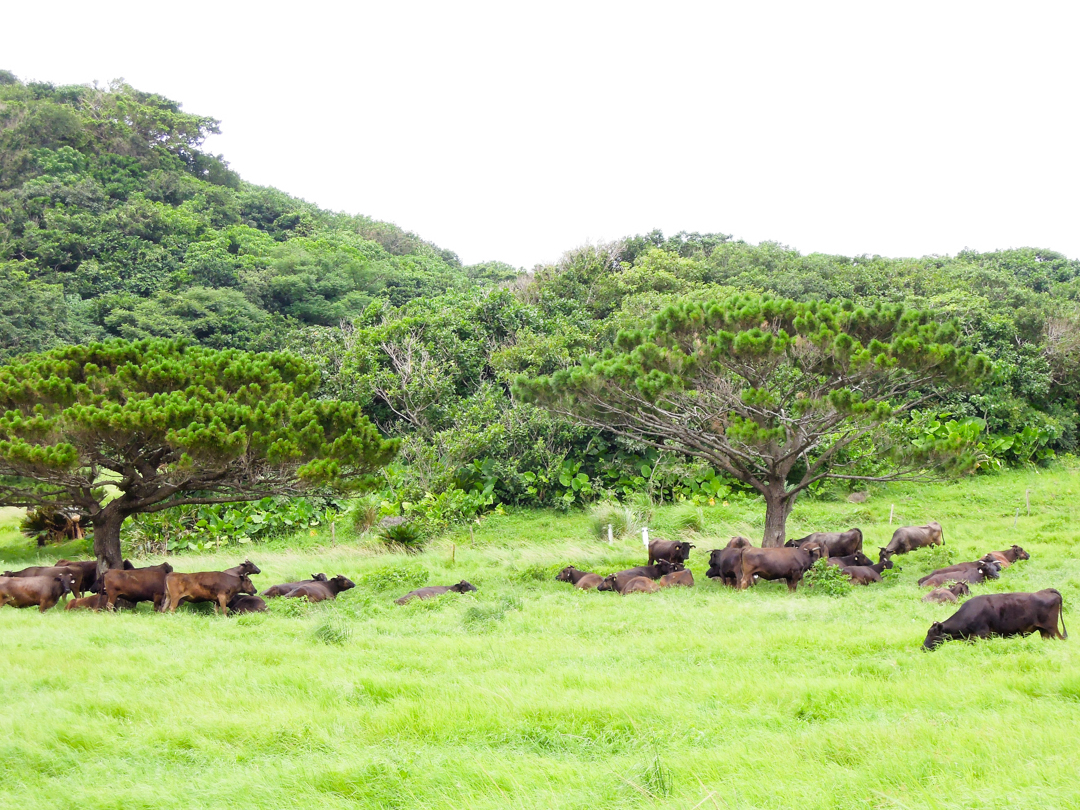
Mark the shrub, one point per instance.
(388, 577)
(827, 579)
(624, 520)
(364, 513)
(408, 535)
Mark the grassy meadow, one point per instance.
(529, 694)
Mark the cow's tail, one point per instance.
(1061, 615)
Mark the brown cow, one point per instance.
(980, 572)
(435, 590)
(684, 578)
(837, 544)
(725, 563)
(43, 591)
(247, 567)
(205, 586)
(630, 585)
(94, 602)
(582, 580)
(950, 594)
(50, 571)
(661, 568)
(91, 581)
(321, 591)
(779, 563)
(957, 567)
(865, 574)
(243, 603)
(1009, 556)
(669, 550)
(1002, 614)
(139, 585)
(286, 587)
(858, 558)
(909, 538)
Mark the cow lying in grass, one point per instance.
(435, 590)
(950, 594)
(1002, 614)
(637, 584)
(321, 591)
(286, 587)
(582, 580)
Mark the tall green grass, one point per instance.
(530, 694)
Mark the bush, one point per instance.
(624, 520)
(689, 517)
(364, 513)
(395, 577)
(408, 535)
(827, 579)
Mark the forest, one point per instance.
(115, 223)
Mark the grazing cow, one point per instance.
(909, 538)
(865, 574)
(435, 590)
(837, 544)
(139, 585)
(779, 563)
(43, 591)
(669, 550)
(286, 587)
(950, 594)
(50, 571)
(980, 572)
(244, 603)
(684, 578)
(246, 568)
(205, 586)
(321, 591)
(580, 579)
(1009, 556)
(858, 558)
(1002, 614)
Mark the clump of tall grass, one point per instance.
(624, 520)
(364, 513)
(408, 536)
(334, 630)
(688, 517)
(387, 577)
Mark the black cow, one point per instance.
(1002, 614)
(435, 590)
(580, 579)
(656, 571)
(858, 558)
(321, 591)
(981, 572)
(778, 563)
(669, 550)
(246, 603)
(286, 587)
(837, 544)
(909, 538)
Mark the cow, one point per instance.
(580, 579)
(44, 591)
(865, 574)
(858, 558)
(909, 538)
(205, 586)
(321, 591)
(244, 603)
(50, 571)
(637, 584)
(950, 594)
(285, 587)
(837, 544)
(661, 568)
(779, 563)
(91, 580)
(669, 550)
(139, 585)
(1009, 556)
(94, 602)
(1002, 614)
(435, 590)
(247, 567)
(957, 567)
(725, 563)
(684, 578)
(981, 572)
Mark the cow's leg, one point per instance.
(159, 602)
(792, 584)
(223, 603)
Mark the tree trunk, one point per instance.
(107, 540)
(778, 504)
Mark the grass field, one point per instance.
(528, 694)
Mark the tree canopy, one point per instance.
(774, 392)
(119, 428)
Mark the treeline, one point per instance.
(113, 222)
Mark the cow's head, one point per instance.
(883, 554)
(248, 567)
(862, 559)
(714, 557)
(739, 542)
(935, 636)
(815, 549)
(608, 584)
(341, 583)
(463, 587)
(1021, 554)
(790, 544)
(990, 570)
(566, 575)
(245, 585)
(669, 567)
(318, 577)
(960, 589)
(67, 582)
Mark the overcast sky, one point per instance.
(517, 131)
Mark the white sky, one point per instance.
(517, 131)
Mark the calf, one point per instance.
(435, 590)
(95, 602)
(865, 574)
(950, 594)
(139, 585)
(779, 563)
(321, 591)
(50, 571)
(1009, 556)
(43, 591)
(837, 544)
(684, 578)
(205, 586)
(909, 538)
(580, 579)
(246, 568)
(243, 603)
(1002, 614)
(980, 571)
(858, 558)
(286, 587)
(629, 585)
(669, 550)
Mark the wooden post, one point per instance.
(1027, 500)
(453, 551)
(892, 506)
(1017, 517)
(610, 537)
(333, 533)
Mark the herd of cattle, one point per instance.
(738, 565)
